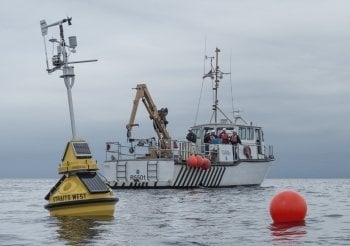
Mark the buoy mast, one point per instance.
(80, 191)
(60, 61)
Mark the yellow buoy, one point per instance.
(80, 191)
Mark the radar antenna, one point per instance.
(60, 61)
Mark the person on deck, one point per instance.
(191, 136)
(213, 149)
(235, 140)
(212, 137)
(224, 137)
(207, 137)
(206, 141)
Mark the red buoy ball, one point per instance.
(192, 161)
(206, 164)
(288, 206)
(199, 161)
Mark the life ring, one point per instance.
(247, 151)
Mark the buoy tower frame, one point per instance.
(68, 71)
(80, 191)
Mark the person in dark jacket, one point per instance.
(235, 140)
(191, 136)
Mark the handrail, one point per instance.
(181, 150)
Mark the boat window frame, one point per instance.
(250, 133)
(242, 132)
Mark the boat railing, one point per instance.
(141, 150)
(246, 151)
(181, 150)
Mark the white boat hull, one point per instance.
(164, 173)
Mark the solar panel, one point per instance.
(93, 182)
(81, 149)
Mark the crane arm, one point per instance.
(158, 116)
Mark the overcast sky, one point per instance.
(290, 65)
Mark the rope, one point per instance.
(199, 102)
(200, 94)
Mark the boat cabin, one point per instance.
(252, 140)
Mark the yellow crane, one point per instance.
(158, 116)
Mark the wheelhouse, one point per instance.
(251, 136)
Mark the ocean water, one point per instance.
(231, 216)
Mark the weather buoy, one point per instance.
(206, 164)
(192, 161)
(199, 161)
(288, 206)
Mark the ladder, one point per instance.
(152, 170)
(121, 170)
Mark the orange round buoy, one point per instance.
(199, 161)
(288, 206)
(192, 161)
(206, 164)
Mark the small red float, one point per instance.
(192, 161)
(288, 206)
(199, 161)
(206, 164)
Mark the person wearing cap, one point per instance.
(206, 141)
(224, 137)
(212, 136)
(213, 148)
(191, 136)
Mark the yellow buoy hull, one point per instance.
(100, 207)
(80, 191)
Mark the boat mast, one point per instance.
(216, 85)
(60, 61)
(216, 74)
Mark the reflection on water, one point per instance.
(80, 230)
(288, 231)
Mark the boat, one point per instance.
(80, 190)
(202, 160)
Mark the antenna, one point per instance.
(60, 61)
(216, 75)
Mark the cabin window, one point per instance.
(250, 134)
(257, 134)
(207, 129)
(242, 132)
(196, 132)
(262, 136)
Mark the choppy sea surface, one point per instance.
(230, 216)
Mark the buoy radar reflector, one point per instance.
(80, 191)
